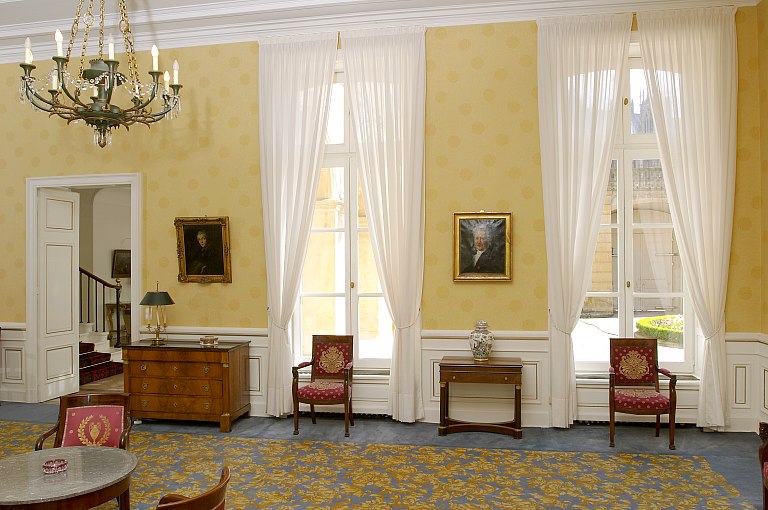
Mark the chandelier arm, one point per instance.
(38, 101)
(141, 106)
(74, 98)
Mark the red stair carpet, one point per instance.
(96, 365)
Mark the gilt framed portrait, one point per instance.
(482, 246)
(202, 246)
(121, 263)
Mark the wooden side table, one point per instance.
(464, 369)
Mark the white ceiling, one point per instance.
(182, 23)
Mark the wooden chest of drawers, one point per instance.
(185, 381)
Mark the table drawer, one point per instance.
(175, 404)
(175, 369)
(177, 386)
(476, 377)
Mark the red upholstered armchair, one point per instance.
(331, 378)
(634, 383)
(763, 455)
(91, 419)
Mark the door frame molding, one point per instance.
(33, 185)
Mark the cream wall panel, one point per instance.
(13, 364)
(59, 363)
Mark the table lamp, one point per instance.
(156, 302)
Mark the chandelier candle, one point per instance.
(68, 92)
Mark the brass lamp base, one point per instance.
(157, 341)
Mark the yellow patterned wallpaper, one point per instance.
(482, 152)
(205, 162)
(762, 50)
(742, 311)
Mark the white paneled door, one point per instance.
(58, 293)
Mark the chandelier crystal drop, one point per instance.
(89, 95)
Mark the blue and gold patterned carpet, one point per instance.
(279, 473)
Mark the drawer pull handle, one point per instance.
(144, 403)
(206, 387)
(143, 366)
(144, 386)
(175, 368)
(206, 369)
(175, 386)
(175, 404)
(206, 406)
(454, 377)
(506, 378)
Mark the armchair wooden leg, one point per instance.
(351, 414)
(658, 424)
(611, 427)
(672, 429)
(295, 415)
(346, 418)
(312, 413)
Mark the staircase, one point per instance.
(95, 365)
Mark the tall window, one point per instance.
(340, 291)
(637, 279)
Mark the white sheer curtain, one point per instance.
(690, 62)
(581, 63)
(385, 73)
(295, 79)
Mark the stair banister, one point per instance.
(92, 279)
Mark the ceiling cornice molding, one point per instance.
(236, 21)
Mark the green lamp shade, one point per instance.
(157, 298)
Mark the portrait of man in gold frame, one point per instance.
(202, 246)
(482, 246)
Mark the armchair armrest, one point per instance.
(303, 364)
(672, 378)
(125, 436)
(46, 435)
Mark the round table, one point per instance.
(94, 475)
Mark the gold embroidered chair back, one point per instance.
(633, 383)
(214, 499)
(91, 419)
(330, 378)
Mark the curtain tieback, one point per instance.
(412, 323)
(721, 328)
(274, 323)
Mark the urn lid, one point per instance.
(481, 325)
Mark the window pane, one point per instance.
(362, 219)
(608, 215)
(376, 329)
(329, 205)
(599, 322)
(640, 102)
(324, 265)
(661, 318)
(368, 278)
(656, 261)
(605, 264)
(336, 116)
(321, 316)
(649, 196)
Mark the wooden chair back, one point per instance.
(635, 361)
(330, 354)
(96, 419)
(214, 499)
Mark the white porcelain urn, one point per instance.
(481, 341)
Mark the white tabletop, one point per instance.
(89, 469)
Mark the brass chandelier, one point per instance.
(69, 97)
